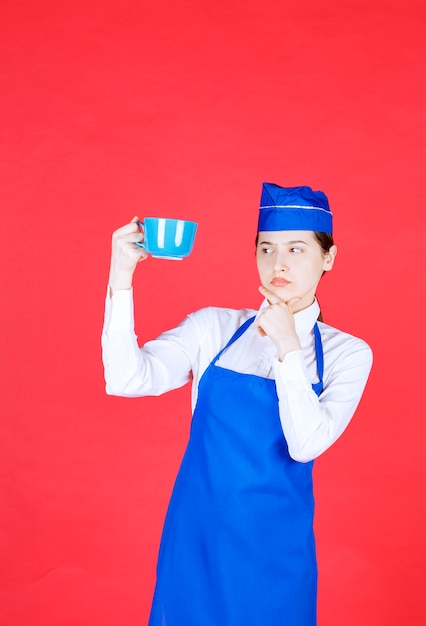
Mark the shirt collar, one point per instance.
(304, 320)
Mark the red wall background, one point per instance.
(182, 109)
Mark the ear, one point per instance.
(329, 259)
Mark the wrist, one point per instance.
(120, 280)
(287, 346)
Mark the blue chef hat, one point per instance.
(293, 208)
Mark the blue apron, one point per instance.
(238, 546)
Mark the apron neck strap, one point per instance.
(319, 353)
(235, 336)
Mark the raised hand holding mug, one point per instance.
(166, 238)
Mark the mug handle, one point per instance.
(141, 228)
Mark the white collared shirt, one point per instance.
(310, 424)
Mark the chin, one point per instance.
(284, 293)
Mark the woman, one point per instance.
(272, 390)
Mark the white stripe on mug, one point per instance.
(161, 232)
(179, 232)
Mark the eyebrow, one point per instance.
(287, 243)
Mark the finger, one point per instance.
(131, 227)
(292, 302)
(137, 253)
(270, 296)
(142, 254)
(259, 328)
(137, 220)
(133, 237)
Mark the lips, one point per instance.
(279, 282)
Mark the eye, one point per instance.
(267, 250)
(295, 250)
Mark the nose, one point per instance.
(280, 264)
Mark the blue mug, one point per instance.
(166, 238)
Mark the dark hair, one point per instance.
(325, 240)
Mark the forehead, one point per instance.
(287, 236)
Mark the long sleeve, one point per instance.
(311, 424)
(176, 357)
(155, 368)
